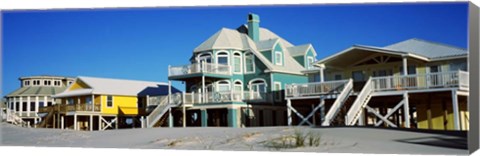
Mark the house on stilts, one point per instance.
(237, 76)
(410, 84)
(92, 103)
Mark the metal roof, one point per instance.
(299, 50)
(116, 87)
(427, 48)
(36, 91)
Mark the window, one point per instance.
(249, 63)
(337, 77)
(32, 106)
(26, 83)
(24, 106)
(458, 65)
(357, 76)
(278, 90)
(70, 101)
(222, 58)
(411, 70)
(109, 101)
(47, 82)
(223, 86)
(238, 87)
(205, 57)
(258, 86)
(88, 100)
(278, 58)
(310, 61)
(57, 83)
(237, 63)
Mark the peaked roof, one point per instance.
(114, 87)
(266, 44)
(37, 91)
(427, 48)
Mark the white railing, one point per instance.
(221, 96)
(315, 88)
(338, 103)
(13, 118)
(362, 99)
(421, 81)
(199, 68)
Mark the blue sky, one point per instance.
(140, 43)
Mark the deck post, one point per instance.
(406, 110)
(20, 109)
(91, 123)
(36, 105)
(169, 92)
(456, 119)
(361, 119)
(62, 122)
(289, 112)
(75, 122)
(170, 117)
(203, 90)
(116, 122)
(14, 104)
(204, 118)
(313, 119)
(184, 118)
(99, 123)
(322, 68)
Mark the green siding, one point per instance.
(300, 60)
(288, 79)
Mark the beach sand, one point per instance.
(328, 140)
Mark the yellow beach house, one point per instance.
(91, 103)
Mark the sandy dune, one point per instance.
(337, 140)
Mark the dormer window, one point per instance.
(26, 83)
(278, 58)
(310, 61)
(47, 82)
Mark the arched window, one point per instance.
(223, 86)
(205, 57)
(222, 58)
(258, 85)
(249, 63)
(237, 62)
(237, 86)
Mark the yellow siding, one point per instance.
(122, 105)
(78, 85)
(422, 116)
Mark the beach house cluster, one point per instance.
(250, 76)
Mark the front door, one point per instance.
(358, 80)
(434, 78)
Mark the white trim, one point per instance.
(241, 62)
(308, 65)
(197, 57)
(281, 58)
(253, 62)
(241, 87)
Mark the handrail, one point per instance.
(422, 81)
(338, 103)
(359, 102)
(154, 115)
(313, 88)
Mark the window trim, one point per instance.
(222, 53)
(218, 85)
(241, 62)
(253, 63)
(276, 57)
(106, 101)
(308, 65)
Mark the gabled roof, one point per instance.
(427, 48)
(299, 50)
(114, 87)
(266, 44)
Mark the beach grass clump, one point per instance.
(295, 140)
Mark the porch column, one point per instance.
(322, 68)
(91, 123)
(100, 123)
(169, 92)
(456, 117)
(36, 105)
(20, 105)
(313, 118)
(204, 117)
(406, 110)
(45, 101)
(75, 122)
(28, 105)
(232, 117)
(203, 90)
(14, 104)
(92, 103)
(361, 119)
(289, 112)
(170, 118)
(405, 67)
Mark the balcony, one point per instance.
(222, 97)
(199, 69)
(455, 79)
(314, 88)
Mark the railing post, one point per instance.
(183, 97)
